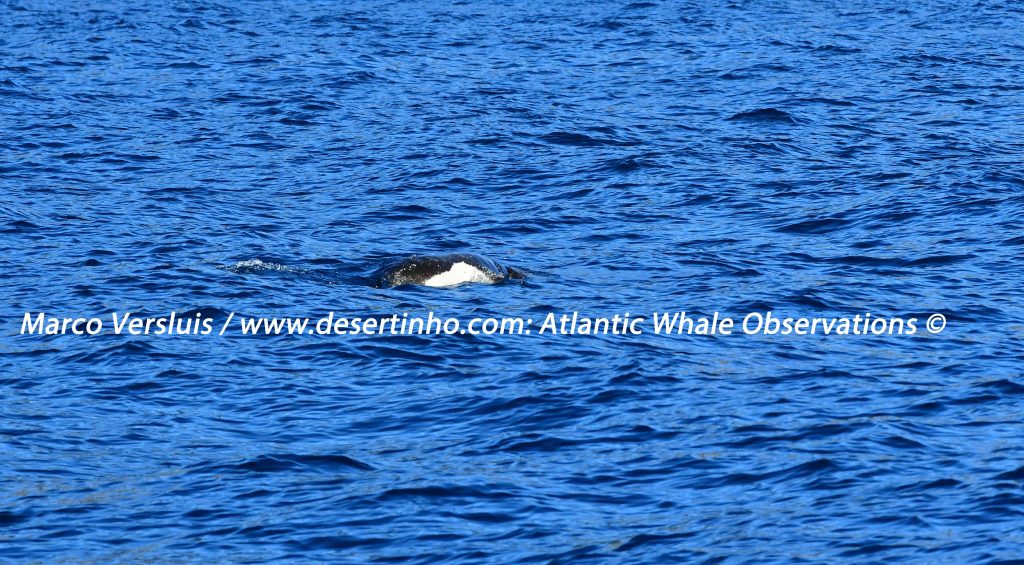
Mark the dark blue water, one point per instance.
(808, 158)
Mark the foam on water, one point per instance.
(257, 265)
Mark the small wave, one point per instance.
(185, 65)
(1015, 475)
(582, 140)
(482, 492)
(925, 58)
(19, 226)
(765, 115)
(938, 260)
(627, 164)
(825, 225)
(8, 518)
(351, 79)
(1005, 387)
(824, 100)
(297, 121)
(837, 49)
(649, 539)
(290, 462)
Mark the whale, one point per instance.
(448, 270)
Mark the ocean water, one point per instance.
(812, 159)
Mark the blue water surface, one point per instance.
(812, 158)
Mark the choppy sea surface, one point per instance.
(807, 158)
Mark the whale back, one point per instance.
(443, 271)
